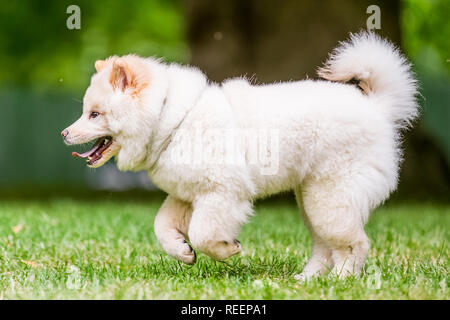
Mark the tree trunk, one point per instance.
(276, 40)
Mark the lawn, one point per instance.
(104, 247)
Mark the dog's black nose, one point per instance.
(64, 133)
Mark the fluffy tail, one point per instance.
(382, 72)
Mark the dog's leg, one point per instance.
(319, 263)
(171, 225)
(320, 260)
(215, 224)
(337, 221)
(350, 259)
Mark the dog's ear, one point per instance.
(129, 72)
(99, 65)
(122, 76)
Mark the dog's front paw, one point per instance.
(181, 251)
(187, 254)
(221, 250)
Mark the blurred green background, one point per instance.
(45, 68)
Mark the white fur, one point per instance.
(338, 149)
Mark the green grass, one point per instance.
(101, 248)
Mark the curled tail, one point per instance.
(382, 72)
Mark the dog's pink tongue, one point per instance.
(85, 154)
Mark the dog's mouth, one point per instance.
(103, 150)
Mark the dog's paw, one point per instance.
(301, 277)
(188, 255)
(224, 249)
(184, 253)
(221, 250)
(305, 276)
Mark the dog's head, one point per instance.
(120, 111)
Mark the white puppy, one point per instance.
(214, 148)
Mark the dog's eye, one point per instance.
(94, 114)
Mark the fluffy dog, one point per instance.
(335, 144)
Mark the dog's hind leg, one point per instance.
(337, 220)
(321, 260)
(171, 226)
